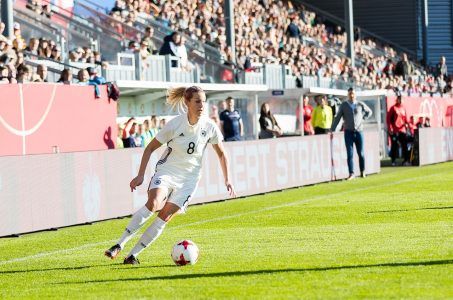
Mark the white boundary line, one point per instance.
(221, 218)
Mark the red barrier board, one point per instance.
(438, 109)
(45, 118)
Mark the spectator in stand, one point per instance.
(33, 47)
(403, 67)
(83, 77)
(94, 78)
(24, 75)
(149, 33)
(130, 128)
(441, 68)
(427, 122)
(322, 116)
(231, 122)
(132, 48)
(42, 73)
(2, 28)
(144, 52)
(398, 126)
(56, 53)
(4, 75)
(353, 113)
(182, 54)
(268, 123)
(139, 137)
(169, 47)
(65, 77)
(18, 42)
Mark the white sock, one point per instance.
(138, 219)
(149, 236)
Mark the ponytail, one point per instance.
(176, 97)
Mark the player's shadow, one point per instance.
(413, 209)
(75, 268)
(259, 272)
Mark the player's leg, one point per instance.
(359, 146)
(156, 197)
(152, 232)
(177, 202)
(349, 143)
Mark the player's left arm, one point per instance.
(220, 151)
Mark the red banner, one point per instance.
(47, 118)
(438, 109)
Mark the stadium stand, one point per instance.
(282, 45)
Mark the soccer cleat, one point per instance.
(362, 174)
(351, 177)
(131, 260)
(113, 251)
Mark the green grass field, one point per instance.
(386, 236)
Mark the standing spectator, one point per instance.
(231, 122)
(146, 135)
(129, 131)
(268, 124)
(222, 106)
(322, 116)
(397, 127)
(170, 43)
(353, 113)
(149, 32)
(215, 115)
(308, 112)
(441, 69)
(162, 123)
(403, 67)
(153, 128)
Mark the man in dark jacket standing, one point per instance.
(353, 113)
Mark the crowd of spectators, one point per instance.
(283, 33)
(266, 32)
(136, 133)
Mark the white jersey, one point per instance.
(185, 145)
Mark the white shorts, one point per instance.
(178, 192)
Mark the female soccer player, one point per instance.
(178, 170)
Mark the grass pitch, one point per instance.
(386, 236)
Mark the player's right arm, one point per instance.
(152, 146)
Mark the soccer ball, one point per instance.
(185, 252)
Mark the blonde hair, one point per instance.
(176, 97)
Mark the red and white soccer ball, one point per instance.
(185, 252)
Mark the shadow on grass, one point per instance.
(400, 210)
(259, 272)
(75, 268)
